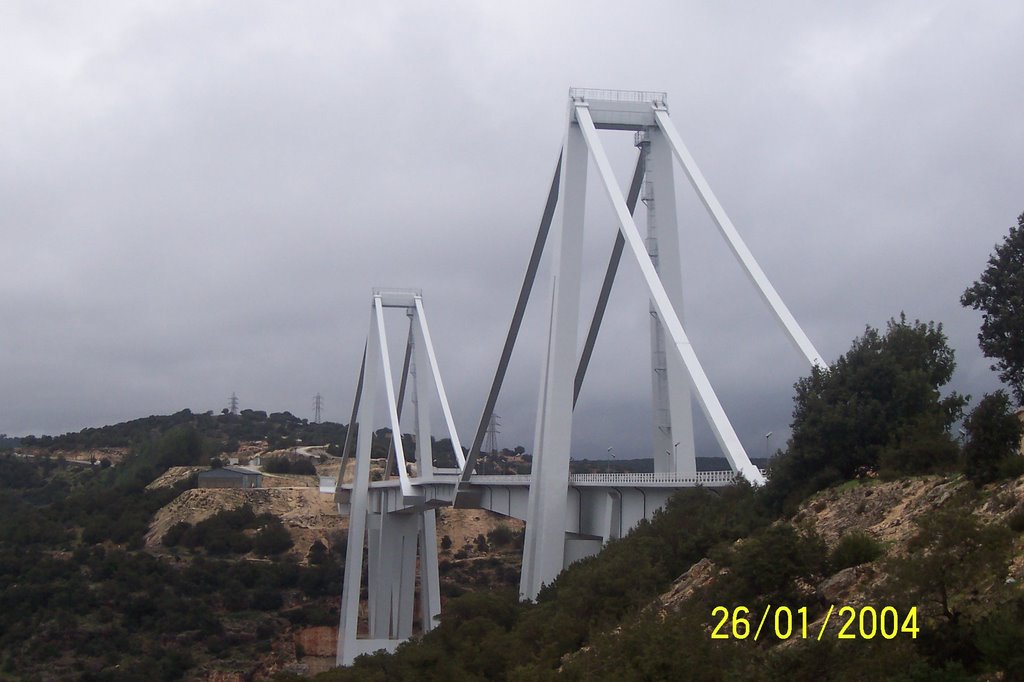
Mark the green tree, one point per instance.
(999, 294)
(879, 404)
(993, 437)
(180, 446)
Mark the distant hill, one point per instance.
(279, 429)
(223, 433)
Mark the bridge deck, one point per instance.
(708, 479)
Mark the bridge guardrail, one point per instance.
(702, 478)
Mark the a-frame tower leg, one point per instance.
(673, 443)
(544, 549)
(358, 504)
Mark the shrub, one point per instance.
(768, 562)
(451, 590)
(317, 553)
(1016, 521)
(338, 541)
(303, 467)
(951, 553)
(222, 533)
(500, 536)
(266, 629)
(272, 539)
(855, 548)
(312, 615)
(1011, 467)
(267, 600)
(175, 533)
(276, 465)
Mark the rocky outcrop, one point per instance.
(317, 641)
(223, 676)
(883, 509)
(698, 578)
(886, 510)
(847, 586)
(307, 514)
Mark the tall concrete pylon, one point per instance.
(674, 450)
(676, 369)
(401, 539)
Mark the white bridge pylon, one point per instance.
(547, 544)
(400, 539)
(393, 519)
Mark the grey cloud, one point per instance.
(199, 200)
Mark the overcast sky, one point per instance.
(197, 198)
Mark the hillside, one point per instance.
(974, 636)
(124, 570)
(927, 536)
(888, 512)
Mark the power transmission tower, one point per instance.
(234, 403)
(318, 403)
(492, 438)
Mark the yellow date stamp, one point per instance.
(782, 622)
